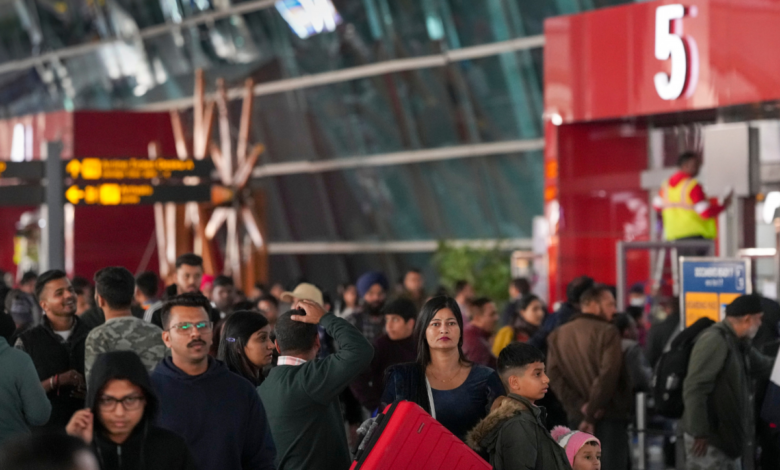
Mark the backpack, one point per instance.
(672, 368)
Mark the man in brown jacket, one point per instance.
(585, 365)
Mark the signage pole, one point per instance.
(55, 207)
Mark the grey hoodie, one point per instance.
(514, 436)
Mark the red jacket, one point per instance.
(476, 346)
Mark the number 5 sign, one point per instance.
(670, 42)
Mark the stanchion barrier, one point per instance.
(641, 430)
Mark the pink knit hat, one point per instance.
(572, 441)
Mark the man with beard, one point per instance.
(369, 320)
(189, 273)
(218, 413)
(56, 346)
(719, 421)
(585, 366)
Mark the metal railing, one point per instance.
(624, 247)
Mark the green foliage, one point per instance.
(486, 269)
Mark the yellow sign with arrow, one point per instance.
(113, 194)
(136, 168)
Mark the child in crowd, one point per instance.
(582, 449)
(514, 433)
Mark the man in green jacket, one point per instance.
(301, 394)
(719, 419)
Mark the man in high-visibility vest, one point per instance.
(686, 211)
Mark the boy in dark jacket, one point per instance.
(118, 422)
(514, 433)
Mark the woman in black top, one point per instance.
(246, 346)
(442, 381)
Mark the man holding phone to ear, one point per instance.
(301, 394)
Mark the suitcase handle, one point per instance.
(373, 435)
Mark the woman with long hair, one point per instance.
(529, 317)
(245, 345)
(348, 301)
(442, 381)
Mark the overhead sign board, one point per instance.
(23, 170)
(114, 181)
(707, 285)
(115, 194)
(21, 195)
(136, 168)
(112, 169)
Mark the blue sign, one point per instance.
(707, 285)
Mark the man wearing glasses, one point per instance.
(118, 423)
(218, 413)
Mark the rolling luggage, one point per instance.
(405, 437)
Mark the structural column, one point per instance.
(54, 232)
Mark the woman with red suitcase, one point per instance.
(442, 381)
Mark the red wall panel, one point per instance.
(116, 236)
(600, 202)
(601, 64)
(104, 236)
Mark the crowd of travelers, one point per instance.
(109, 374)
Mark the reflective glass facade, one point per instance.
(489, 99)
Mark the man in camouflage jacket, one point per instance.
(122, 331)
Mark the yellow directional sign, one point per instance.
(73, 168)
(74, 194)
(109, 194)
(136, 168)
(113, 194)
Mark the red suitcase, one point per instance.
(408, 438)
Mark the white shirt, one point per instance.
(65, 334)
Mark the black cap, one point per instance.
(744, 305)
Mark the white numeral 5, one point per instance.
(669, 42)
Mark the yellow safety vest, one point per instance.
(680, 217)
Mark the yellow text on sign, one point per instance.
(124, 169)
(109, 194)
(706, 305)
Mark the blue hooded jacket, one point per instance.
(218, 413)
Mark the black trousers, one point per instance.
(615, 451)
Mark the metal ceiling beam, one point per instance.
(410, 246)
(399, 158)
(146, 33)
(370, 70)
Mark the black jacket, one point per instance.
(218, 413)
(560, 317)
(148, 447)
(659, 336)
(51, 355)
